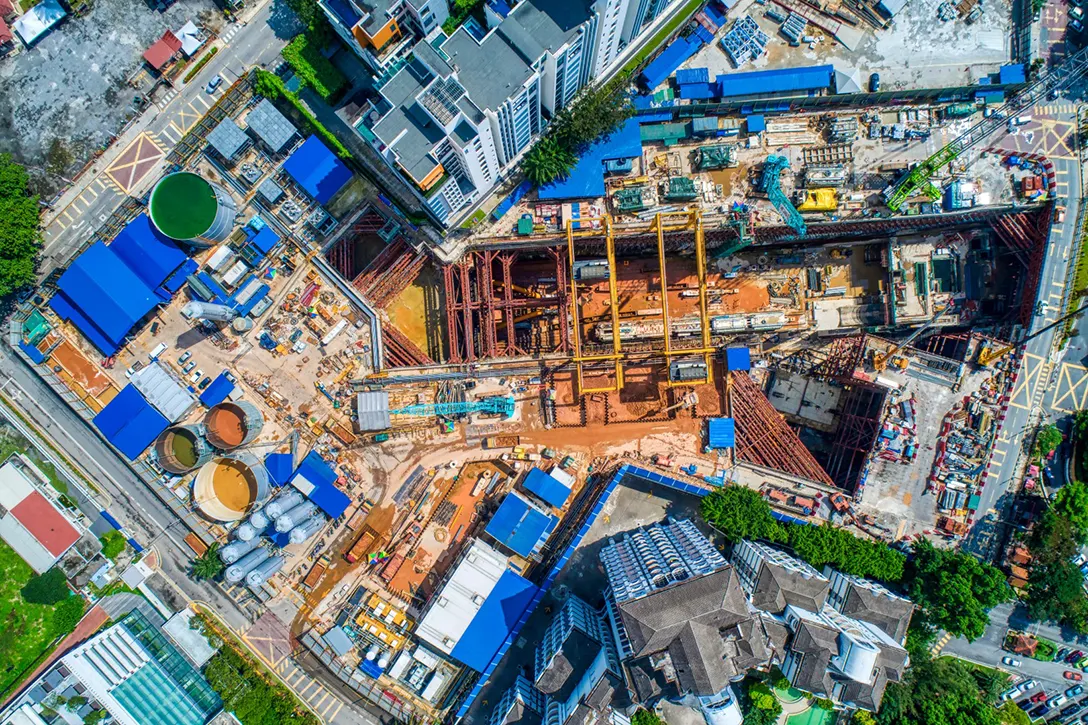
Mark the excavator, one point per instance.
(880, 360)
(992, 354)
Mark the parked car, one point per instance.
(1010, 693)
(1039, 696)
(874, 83)
(1071, 709)
(204, 383)
(196, 376)
(1039, 711)
(135, 367)
(1074, 691)
(1076, 12)
(1028, 685)
(188, 366)
(1074, 676)
(1025, 704)
(1075, 25)
(1011, 661)
(185, 357)
(213, 84)
(1059, 656)
(1074, 655)
(1057, 700)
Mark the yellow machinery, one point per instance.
(992, 353)
(880, 360)
(818, 200)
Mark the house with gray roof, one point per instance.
(773, 579)
(871, 602)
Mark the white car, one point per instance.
(196, 376)
(1027, 685)
(1011, 661)
(1056, 701)
(1010, 693)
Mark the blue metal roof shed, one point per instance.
(783, 80)
(1012, 73)
(756, 123)
(317, 170)
(721, 433)
(738, 358)
(217, 391)
(546, 488)
(668, 60)
(586, 180)
(316, 479)
(494, 621)
(148, 252)
(692, 75)
(280, 466)
(520, 526)
(103, 297)
(130, 423)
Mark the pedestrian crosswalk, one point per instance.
(1055, 109)
(225, 37)
(940, 644)
(163, 102)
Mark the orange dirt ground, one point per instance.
(81, 370)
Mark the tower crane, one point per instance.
(1039, 90)
(769, 182)
(990, 355)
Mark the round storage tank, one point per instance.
(226, 488)
(290, 519)
(259, 520)
(229, 425)
(246, 532)
(283, 503)
(235, 550)
(187, 207)
(182, 448)
(242, 324)
(237, 571)
(260, 573)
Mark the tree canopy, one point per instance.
(1071, 502)
(822, 545)
(113, 543)
(48, 588)
(208, 565)
(20, 236)
(954, 590)
(1047, 439)
(741, 513)
(1055, 585)
(758, 703)
(944, 691)
(249, 697)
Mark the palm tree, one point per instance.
(208, 565)
(547, 161)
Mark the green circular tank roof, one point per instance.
(183, 206)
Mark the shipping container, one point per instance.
(501, 442)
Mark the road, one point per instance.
(131, 162)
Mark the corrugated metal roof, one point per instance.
(338, 640)
(546, 488)
(317, 480)
(163, 391)
(317, 170)
(130, 423)
(495, 621)
(782, 80)
(227, 138)
(217, 391)
(738, 358)
(280, 466)
(148, 252)
(372, 410)
(270, 125)
(520, 526)
(668, 60)
(721, 433)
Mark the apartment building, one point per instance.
(773, 579)
(383, 32)
(454, 114)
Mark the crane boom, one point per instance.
(918, 179)
(988, 356)
(498, 404)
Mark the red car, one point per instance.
(1039, 696)
(1074, 676)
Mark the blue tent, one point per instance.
(586, 179)
(103, 297)
(130, 423)
(317, 170)
(148, 252)
(738, 358)
(546, 488)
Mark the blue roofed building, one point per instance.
(217, 391)
(130, 423)
(476, 612)
(546, 487)
(148, 252)
(780, 83)
(317, 170)
(721, 433)
(520, 526)
(280, 466)
(316, 479)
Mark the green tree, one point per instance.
(20, 236)
(1056, 594)
(249, 697)
(113, 543)
(758, 703)
(1011, 714)
(208, 565)
(48, 588)
(75, 702)
(944, 691)
(1080, 424)
(1053, 538)
(67, 614)
(1071, 502)
(646, 717)
(822, 545)
(1047, 439)
(547, 161)
(741, 513)
(862, 717)
(954, 590)
(94, 717)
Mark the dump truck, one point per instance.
(361, 547)
(318, 570)
(501, 442)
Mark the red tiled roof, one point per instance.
(7, 7)
(45, 523)
(5, 32)
(163, 49)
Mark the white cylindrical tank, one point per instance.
(383, 661)
(372, 653)
(283, 503)
(235, 550)
(242, 324)
(307, 528)
(260, 574)
(196, 310)
(188, 207)
(290, 519)
(237, 571)
(246, 532)
(259, 520)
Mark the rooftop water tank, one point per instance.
(183, 448)
(189, 208)
(237, 571)
(261, 573)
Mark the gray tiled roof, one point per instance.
(490, 71)
(270, 125)
(569, 664)
(778, 586)
(891, 614)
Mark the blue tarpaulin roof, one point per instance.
(721, 433)
(103, 297)
(756, 123)
(668, 60)
(520, 526)
(698, 91)
(783, 80)
(317, 170)
(546, 488)
(148, 252)
(317, 480)
(280, 466)
(265, 240)
(130, 423)
(217, 391)
(515, 196)
(177, 280)
(494, 621)
(586, 179)
(692, 75)
(738, 358)
(1013, 73)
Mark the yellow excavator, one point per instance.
(880, 360)
(992, 354)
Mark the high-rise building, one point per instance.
(773, 579)
(382, 32)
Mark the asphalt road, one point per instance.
(256, 42)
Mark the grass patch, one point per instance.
(27, 631)
(681, 17)
(1080, 280)
(303, 54)
(1045, 651)
(200, 64)
(473, 220)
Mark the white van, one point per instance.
(159, 350)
